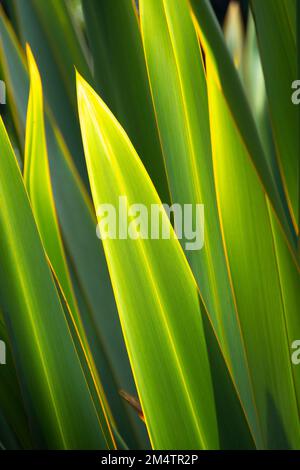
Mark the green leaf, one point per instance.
(180, 99)
(255, 89)
(289, 278)
(229, 82)
(38, 184)
(162, 327)
(248, 240)
(49, 31)
(65, 42)
(58, 401)
(8, 440)
(14, 68)
(121, 79)
(93, 286)
(85, 252)
(275, 22)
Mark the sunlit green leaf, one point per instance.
(60, 408)
(162, 327)
(229, 82)
(180, 99)
(255, 279)
(275, 22)
(121, 79)
(78, 226)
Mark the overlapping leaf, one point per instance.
(256, 278)
(180, 100)
(78, 222)
(47, 27)
(275, 22)
(58, 401)
(213, 42)
(162, 327)
(121, 79)
(38, 183)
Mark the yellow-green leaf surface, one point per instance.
(180, 100)
(248, 240)
(57, 398)
(78, 221)
(275, 22)
(162, 327)
(38, 183)
(212, 40)
(93, 287)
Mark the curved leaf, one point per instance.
(229, 82)
(121, 79)
(275, 22)
(62, 413)
(248, 240)
(85, 252)
(162, 327)
(180, 100)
